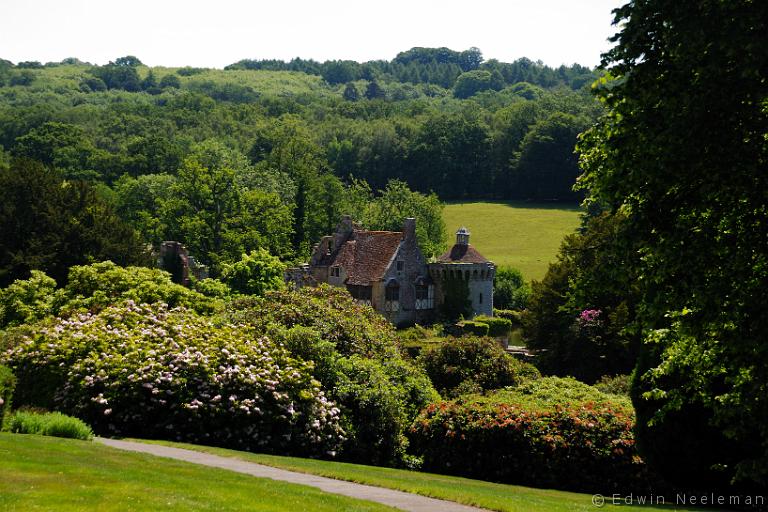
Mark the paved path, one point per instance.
(397, 499)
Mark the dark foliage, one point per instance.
(482, 361)
(579, 316)
(682, 152)
(50, 225)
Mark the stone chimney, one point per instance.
(345, 226)
(174, 259)
(462, 236)
(343, 231)
(409, 229)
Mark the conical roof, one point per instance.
(462, 253)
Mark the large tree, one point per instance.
(218, 218)
(682, 153)
(50, 224)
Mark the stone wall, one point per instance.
(477, 276)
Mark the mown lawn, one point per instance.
(506, 498)
(46, 473)
(523, 235)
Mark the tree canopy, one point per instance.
(682, 155)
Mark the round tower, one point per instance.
(462, 269)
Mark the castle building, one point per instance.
(386, 270)
(465, 265)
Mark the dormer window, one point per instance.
(335, 271)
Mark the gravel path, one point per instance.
(397, 499)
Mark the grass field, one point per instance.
(47, 473)
(505, 498)
(522, 235)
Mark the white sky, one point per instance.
(217, 33)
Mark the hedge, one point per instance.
(496, 326)
(7, 385)
(509, 314)
(472, 327)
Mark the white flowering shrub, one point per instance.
(153, 372)
(354, 355)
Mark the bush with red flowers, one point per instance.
(549, 432)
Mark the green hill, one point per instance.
(523, 235)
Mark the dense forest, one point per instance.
(269, 154)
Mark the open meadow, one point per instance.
(519, 234)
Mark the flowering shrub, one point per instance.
(354, 355)
(531, 436)
(154, 372)
(589, 318)
(95, 286)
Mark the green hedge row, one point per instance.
(472, 327)
(496, 326)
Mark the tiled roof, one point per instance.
(460, 253)
(366, 255)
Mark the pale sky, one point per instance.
(217, 33)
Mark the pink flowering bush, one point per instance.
(548, 432)
(154, 372)
(590, 318)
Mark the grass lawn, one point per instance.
(470, 492)
(46, 473)
(517, 234)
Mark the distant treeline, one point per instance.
(439, 66)
(230, 161)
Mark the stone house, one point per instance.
(386, 270)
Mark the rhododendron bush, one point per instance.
(548, 432)
(330, 311)
(354, 355)
(154, 372)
